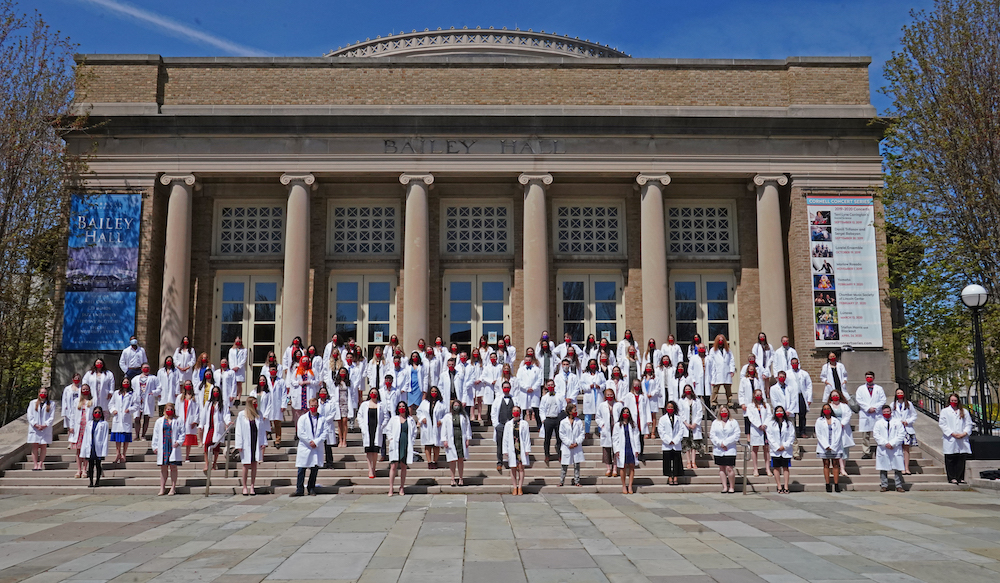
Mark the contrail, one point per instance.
(175, 28)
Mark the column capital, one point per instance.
(525, 179)
(761, 179)
(642, 179)
(308, 179)
(166, 179)
(405, 178)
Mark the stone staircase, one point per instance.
(276, 474)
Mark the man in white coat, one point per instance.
(452, 382)
(870, 398)
(311, 431)
(696, 370)
(889, 434)
(783, 356)
(801, 380)
(132, 358)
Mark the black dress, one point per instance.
(372, 429)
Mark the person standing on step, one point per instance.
(77, 421)
(101, 382)
(169, 380)
(764, 355)
(549, 409)
(843, 412)
(344, 398)
(452, 381)
(625, 443)
(641, 415)
(607, 415)
(189, 411)
(833, 376)
(783, 358)
(279, 398)
(517, 449)
(184, 359)
(251, 439)
(130, 362)
(889, 435)
(238, 364)
(780, 440)
(95, 446)
(758, 414)
(671, 431)
(591, 384)
(829, 445)
(787, 396)
(265, 401)
(904, 411)
(147, 390)
(699, 376)
(956, 425)
(803, 383)
(215, 421)
(402, 431)
(40, 415)
(455, 438)
(504, 413)
(719, 370)
(70, 395)
(725, 435)
(692, 415)
(529, 380)
(749, 383)
(372, 418)
(672, 349)
(168, 440)
(311, 433)
(870, 398)
(571, 446)
(430, 417)
(329, 413)
(122, 408)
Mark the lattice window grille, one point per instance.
(589, 230)
(365, 230)
(252, 230)
(477, 230)
(699, 230)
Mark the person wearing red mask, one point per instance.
(343, 396)
(238, 363)
(529, 379)
(829, 439)
(672, 349)
(215, 421)
(168, 441)
(311, 433)
(889, 435)
(671, 432)
(401, 433)
(870, 398)
(372, 419)
(719, 369)
(122, 408)
(591, 384)
(95, 446)
(168, 379)
(456, 433)
(147, 389)
(780, 437)
(101, 382)
(571, 447)
(800, 379)
(764, 356)
(504, 412)
(516, 450)
(783, 356)
(842, 411)
(956, 425)
(833, 375)
(78, 417)
(184, 359)
(904, 411)
(430, 415)
(40, 413)
(607, 412)
(725, 435)
(692, 415)
(625, 443)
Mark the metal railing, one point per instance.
(927, 401)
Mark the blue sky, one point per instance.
(668, 28)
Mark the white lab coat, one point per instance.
(950, 422)
(70, 394)
(692, 411)
(892, 433)
(169, 383)
(906, 416)
(744, 396)
(243, 436)
(764, 356)
(238, 363)
(269, 404)
(377, 371)
(697, 372)
(673, 351)
(427, 420)
(651, 357)
(620, 387)
(310, 429)
(42, 416)
(719, 367)
(724, 434)
(787, 397)
(758, 416)
(829, 435)
(444, 384)
(406, 388)
(185, 359)
(448, 436)
(571, 431)
(220, 419)
(295, 389)
(72, 420)
(529, 381)
(620, 433)
(226, 379)
(99, 436)
(383, 414)
(554, 365)
(758, 376)
(671, 432)
(329, 412)
(473, 377)
(492, 382)
(783, 360)
(865, 400)
(146, 392)
(568, 386)
(392, 433)
(550, 407)
(335, 388)
(621, 352)
(191, 416)
(803, 384)
(780, 435)
(177, 439)
(592, 387)
(607, 417)
(508, 443)
(131, 358)
(826, 377)
(654, 392)
(640, 412)
(101, 386)
(122, 409)
(843, 412)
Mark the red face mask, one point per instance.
(516, 414)
(779, 415)
(506, 390)
(611, 397)
(670, 410)
(626, 417)
(99, 366)
(887, 414)
(835, 398)
(169, 412)
(313, 409)
(97, 416)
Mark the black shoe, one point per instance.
(836, 487)
(312, 492)
(296, 494)
(867, 456)
(829, 487)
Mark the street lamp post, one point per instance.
(975, 297)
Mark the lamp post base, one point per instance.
(985, 447)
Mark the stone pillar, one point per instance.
(416, 260)
(176, 299)
(535, 251)
(771, 258)
(295, 284)
(653, 251)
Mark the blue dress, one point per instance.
(415, 395)
(629, 456)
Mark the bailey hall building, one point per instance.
(468, 183)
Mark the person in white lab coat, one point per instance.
(372, 419)
(549, 410)
(456, 433)
(168, 439)
(783, 357)
(889, 435)
(147, 390)
(833, 375)
(606, 417)
(238, 362)
(430, 418)
(76, 424)
(692, 411)
(780, 437)
(698, 371)
(749, 382)
(516, 449)
(591, 384)
(625, 442)
(266, 401)
(870, 398)
(571, 447)
(415, 385)
(302, 386)
(529, 381)
(567, 382)
(545, 357)
(452, 381)
(251, 439)
(132, 358)
(169, 380)
(345, 398)
(758, 414)
(474, 387)
(189, 410)
(618, 383)
(725, 435)
(279, 400)
(226, 379)
(214, 421)
(842, 411)
(671, 431)
(653, 389)
(329, 413)
(956, 425)
(672, 349)
(669, 388)
(803, 383)
(184, 359)
(401, 433)
(95, 446)
(122, 408)
(829, 445)
(101, 382)
(652, 354)
(311, 433)
(904, 412)
(624, 344)
(70, 394)
(764, 355)
(40, 412)
(641, 415)
(720, 367)
(786, 395)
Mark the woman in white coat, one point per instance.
(625, 442)
(251, 439)
(184, 360)
(169, 380)
(889, 435)
(758, 413)
(400, 434)
(268, 402)
(345, 398)
(592, 386)
(430, 419)
(147, 391)
(829, 445)
(956, 425)
(618, 384)
(329, 413)
(671, 431)
(122, 408)
(719, 369)
(641, 414)
(214, 422)
(70, 394)
(780, 437)
(372, 419)
(101, 382)
(571, 449)
(669, 390)
(238, 364)
(607, 415)
(456, 433)
(834, 376)
(653, 389)
(764, 356)
(843, 412)
(190, 413)
(692, 411)
(41, 411)
(516, 449)
(95, 445)
(904, 412)
(168, 440)
(77, 420)
(725, 435)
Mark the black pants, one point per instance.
(498, 435)
(94, 467)
(328, 462)
(538, 419)
(746, 424)
(707, 400)
(802, 416)
(302, 477)
(132, 373)
(551, 426)
(954, 465)
(672, 463)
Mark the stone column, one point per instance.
(176, 298)
(416, 260)
(653, 252)
(535, 252)
(295, 284)
(771, 258)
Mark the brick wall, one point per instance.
(111, 83)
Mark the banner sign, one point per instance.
(101, 271)
(846, 306)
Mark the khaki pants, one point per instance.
(717, 391)
(868, 443)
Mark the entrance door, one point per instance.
(363, 307)
(475, 305)
(248, 306)
(703, 304)
(590, 304)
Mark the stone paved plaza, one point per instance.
(888, 538)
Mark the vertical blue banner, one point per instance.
(101, 271)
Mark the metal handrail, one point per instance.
(929, 402)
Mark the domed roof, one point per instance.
(477, 41)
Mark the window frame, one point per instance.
(249, 277)
(506, 203)
(618, 204)
(452, 275)
(332, 206)
(730, 204)
(253, 202)
(362, 278)
(702, 308)
(590, 316)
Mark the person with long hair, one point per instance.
(693, 346)
(399, 444)
(189, 410)
(251, 439)
(77, 421)
(101, 382)
(641, 414)
(185, 359)
(456, 433)
(516, 449)
(201, 376)
(168, 437)
(95, 446)
(692, 414)
(122, 408)
(889, 435)
(665, 371)
(759, 414)
(238, 363)
(630, 365)
(842, 411)
(416, 382)
(618, 384)
(215, 421)
(653, 390)
(725, 435)
(343, 397)
(833, 375)
(591, 384)
(625, 443)
(829, 445)
(371, 420)
(168, 378)
(530, 379)
(311, 433)
(303, 387)
(278, 401)
(671, 432)
(430, 419)
(780, 437)
(764, 353)
(329, 413)
(145, 399)
(719, 370)
(624, 344)
(545, 356)
(956, 425)
(571, 448)
(672, 349)
(904, 412)
(474, 387)
(40, 415)
(70, 395)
